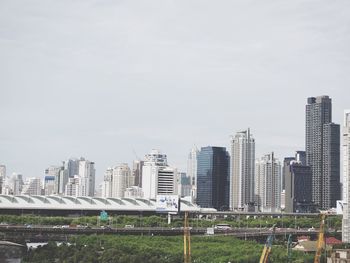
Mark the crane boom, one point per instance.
(320, 240)
(267, 248)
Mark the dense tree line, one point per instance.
(155, 249)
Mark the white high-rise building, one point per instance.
(87, 178)
(242, 170)
(117, 180)
(107, 183)
(192, 171)
(32, 186)
(157, 177)
(268, 183)
(122, 179)
(73, 186)
(346, 177)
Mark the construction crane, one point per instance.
(187, 240)
(268, 246)
(320, 240)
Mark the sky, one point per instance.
(112, 79)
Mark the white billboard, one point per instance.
(167, 203)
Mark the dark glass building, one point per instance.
(322, 151)
(298, 188)
(213, 177)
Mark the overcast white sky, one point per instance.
(101, 78)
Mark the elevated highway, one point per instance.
(45, 233)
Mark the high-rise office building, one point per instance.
(192, 171)
(158, 178)
(73, 186)
(107, 183)
(16, 183)
(268, 183)
(137, 172)
(213, 177)
(185, 186)
(49, 185)
(122, 178)
(285, 170)
(298, 186)
(32, 186)
(242, 170)
(322, 151)
(61, 178)
(346, 177)
(86, 178)
(72, 166)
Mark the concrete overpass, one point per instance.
(45, 233)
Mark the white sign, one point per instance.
(210, 231)
(167, 203)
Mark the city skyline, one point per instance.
(106, 80)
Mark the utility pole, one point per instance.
(187, 240)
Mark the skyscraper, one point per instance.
(107, 183)
(242, 170)
(268, 183)
(32, 186)
(61, 178)
(86, 178)
(192, 171)
(213, 177)
(346, 177)
(121, 179)
(137, 172)
(158, 178)
(298, 185)
(322, 151)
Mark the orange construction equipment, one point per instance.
(268, 246)
(187, 240)
(321, 239)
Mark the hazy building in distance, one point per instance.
(158, 178)
(16, 183)
(2, 170)
(268, 183)
(298, 186)
(137, 172)
(73, 186)
(61, 178)
(322, 151)
(133, 192)
(72, 166)
(49, 185)
(86, 178)
(285, 170)
(32, 186)
(346, 177)
(213, 177)
(122, 178)
(2, 177)
(242, 170)
(107, 183)
(185, 186)
(192, 171)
